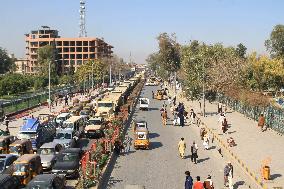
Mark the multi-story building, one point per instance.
(21, 65)
(69, 52)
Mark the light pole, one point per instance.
(49, 99)
(92, 76)
(203, 87)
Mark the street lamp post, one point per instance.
(49, 99)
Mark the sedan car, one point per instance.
(47, 181)
(48, 152)
(67, 163)
(6, 161)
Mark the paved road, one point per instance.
(161, 166)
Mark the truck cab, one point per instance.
(38, 133)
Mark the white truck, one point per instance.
(144, 103)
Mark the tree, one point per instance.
(169, 55)
(13, 84)
(264, 73)
(46, 56)
(6, 63)
(275, 44)
(241, 50)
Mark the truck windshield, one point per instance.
(95, 122)
(24, 135)
(68, 125)
(2, 165)
(15, 149)
(67, 157)
(107, 105)
(21, 167)
(46, 151)
(63, 136)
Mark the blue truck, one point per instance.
(38, 131)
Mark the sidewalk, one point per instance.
(253, 146)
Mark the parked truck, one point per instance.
(36, 131)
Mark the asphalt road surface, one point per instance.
(161, 166)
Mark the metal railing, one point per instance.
(274, 117)
(25, 102)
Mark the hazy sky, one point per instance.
(132, 25)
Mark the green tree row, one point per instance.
(222, 69)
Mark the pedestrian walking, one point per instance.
(194, 155)
(6, 121)
(206, 139)
(66, 100)
(174, 100)
(220, 120)
(188, 180)
(192, 116)
(198, 184)
(261, 122)
(202, 133)
(224, 125)
(208, 183)
(170, 101)
(219, 107)
(164, 117)
(181, 147)
(228, 175)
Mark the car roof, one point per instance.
(64, 131)
(141, 129)
(4, 177)
(96, 118)
(43, 178)
(49, 145)
(71, 150)
(63, 114)
(26, 157)
(6, 156)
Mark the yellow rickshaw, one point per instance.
(20, 147)
(27, 167)
(5, 141)
(141, 138)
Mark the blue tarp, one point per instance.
(31, 124)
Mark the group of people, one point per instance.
(193, 149)
(189, 184)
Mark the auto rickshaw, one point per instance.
(141, 138)
(20, 147)
(27, 167)
(5, 141)
(75, 111)
(159, 95)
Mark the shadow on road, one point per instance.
(239, 183)
(201, 160)
(153, 135)
(212, 148)
(274, 176)
(154, 145)
(113, 181)
(152, 109)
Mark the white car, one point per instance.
(144, 103)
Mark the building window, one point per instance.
(59, 43)
(78, 43)
(72, 43)
(92, 49)
(66, 56)
(72, 62)
(66, 49)
(79, 62)
(66, 62)
(92, 56)
(79, 49)
(85, 49)
(79, 56)
(72, 49)
(65, 43)
(72, 56)
(85, 43)
(85, 56)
